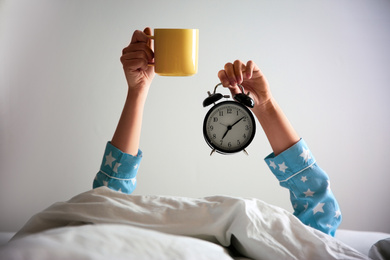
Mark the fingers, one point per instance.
(139, 36)
(148, 32)
(140, 42)
(238, 68)
(142, 49)
(230, 76)
(224, 78)
(236, 72)
(135, 60)
(139, 53)
(250, 67)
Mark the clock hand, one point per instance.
(238, 121)
(228, 129)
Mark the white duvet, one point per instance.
(105, 224)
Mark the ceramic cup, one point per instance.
(176, 51)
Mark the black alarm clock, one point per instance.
(229, 126)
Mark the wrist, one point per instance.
(266, 108)
(276, 126)
(137, 95)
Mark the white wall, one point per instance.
(62, 91)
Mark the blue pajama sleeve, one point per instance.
(118, 170)
(310, 194)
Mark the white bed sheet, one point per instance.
(5, 237)
(170, 226)
(110, 241)
(362, 241)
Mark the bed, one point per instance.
(104, 224)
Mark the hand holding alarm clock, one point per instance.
(229, 126)
(250, 77)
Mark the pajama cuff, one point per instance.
(119, 165)
(290, 162)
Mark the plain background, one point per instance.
(63, 88)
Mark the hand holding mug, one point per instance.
(135, 59)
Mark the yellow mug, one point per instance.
(176, 51)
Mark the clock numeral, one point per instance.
(211, 128)
(220, 113)
(229, 111)
(220, 142)
(215, 119)
(229, 144)
(238, 142)
(244, 136)
(247, 127)
(214, 136)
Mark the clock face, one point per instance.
(229, 127)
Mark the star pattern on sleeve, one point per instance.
(318, 208)
(305, 154)
(309, 193)
(109, 160)
(282, 167)
(115, 169)
(337, 214)
(272, 164)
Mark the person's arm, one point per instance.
(139, 75)
(311, 197)
(279, 131)
(122, 155)
(291, 161)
